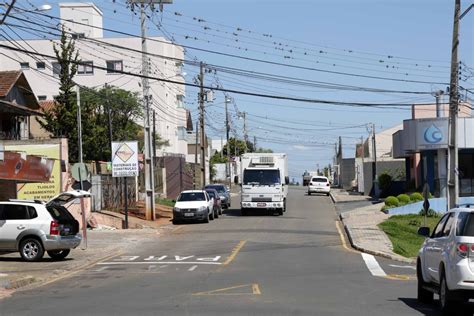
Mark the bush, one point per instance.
(430, 213)
(416, 197)
(392, 201)
(403, 199)
(385, 182)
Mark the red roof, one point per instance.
(46, 105)
(7, 81)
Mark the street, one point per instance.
(295, 264)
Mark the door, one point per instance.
(434, 247)
(14, 219)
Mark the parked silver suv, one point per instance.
(33, 227)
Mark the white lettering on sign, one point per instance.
(178, 258)
(153, 258)
(216, 258)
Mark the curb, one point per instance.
(373, 252)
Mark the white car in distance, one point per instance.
(319, 184)
(445, 263)
(193, 205)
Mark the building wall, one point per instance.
(347, 173)
(170, 112)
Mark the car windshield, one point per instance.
(218, 188)
(262, 177)
(191, 196)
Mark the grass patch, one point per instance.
(402, 232)
(163, 201)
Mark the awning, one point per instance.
(25, 168)
(12, 108)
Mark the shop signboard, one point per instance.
(125, 159)
(431, 133)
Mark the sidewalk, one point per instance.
(361, 223)
(101, 245)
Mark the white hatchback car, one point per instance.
(319, 184)
(193, 205)
(33, 227)
(445, 263)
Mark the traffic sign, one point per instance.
(125, 159)
(79, 171)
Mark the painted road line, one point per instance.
(148, 262)
(100, 269)
(402, 267)
(234, 252)
(343, 239)
(249, 289)
(193, 268)
(373, 265)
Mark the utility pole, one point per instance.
(109, 114)
(227, 130)
(374, 163)
(201, 121)
(10, 7)
(246, 138)
(453, 184)
(196, 155)
(255, 142)
(79, 127)
(149, 172)
(441, 151)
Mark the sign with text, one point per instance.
(125, 159)
(432, 133)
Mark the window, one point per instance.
(40, 65)
(449, 225)
(32, 212)
(261, 177)
(78, 35)
(322, 180)
(114, 66)
(465, 224)
(85, 68)
(192, 196)
(14, 212)
(180, 101)
(25, 65)
(56, 68)
(41, 97)
(438, 231)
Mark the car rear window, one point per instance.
(465, 225)
(319, 180)
(211, 194)
(59, 213)
(218, 188)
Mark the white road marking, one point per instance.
(373, 265)
(100, 269)
(148, 262)
(403, 267)
(151, 267)
(192, 268)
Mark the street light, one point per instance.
(41, 8)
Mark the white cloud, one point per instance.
(300, 147)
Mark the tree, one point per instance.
(122, 107)
(263, 150)
(61, 119)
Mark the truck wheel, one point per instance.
(31, 249)
(309, 193)
(280, 212)
(284, 205)
(58, 254)
(424, 296)
(243, 212)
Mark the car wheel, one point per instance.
(424, 296)
(220, 211)
(175, 222)
(216, 213)
(206, 219)
(445, 295)
(327, 194)
(31, 249)
(309, 193)
(59, 254)
(211, 215)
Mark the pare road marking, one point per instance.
(245, 289)
(164, 262)
(192, 268)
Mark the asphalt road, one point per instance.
(293, 264)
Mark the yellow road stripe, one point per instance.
(234, 252)
(178, 228)
(343, 239)
(255, 290)
(401, 277)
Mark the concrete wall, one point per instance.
(347, 173)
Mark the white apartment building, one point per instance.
(95, 50)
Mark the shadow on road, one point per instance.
(433, 309)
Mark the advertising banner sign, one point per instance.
(47, 160)
(125, 159)
(431, 133)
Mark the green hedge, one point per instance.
(416, 197)
(403, 199)
(392, 201)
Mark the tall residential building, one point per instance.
(113, 54)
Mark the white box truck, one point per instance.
(264, 182)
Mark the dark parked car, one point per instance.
(217, 202)
(224, 194)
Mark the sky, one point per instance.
(362, 54)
